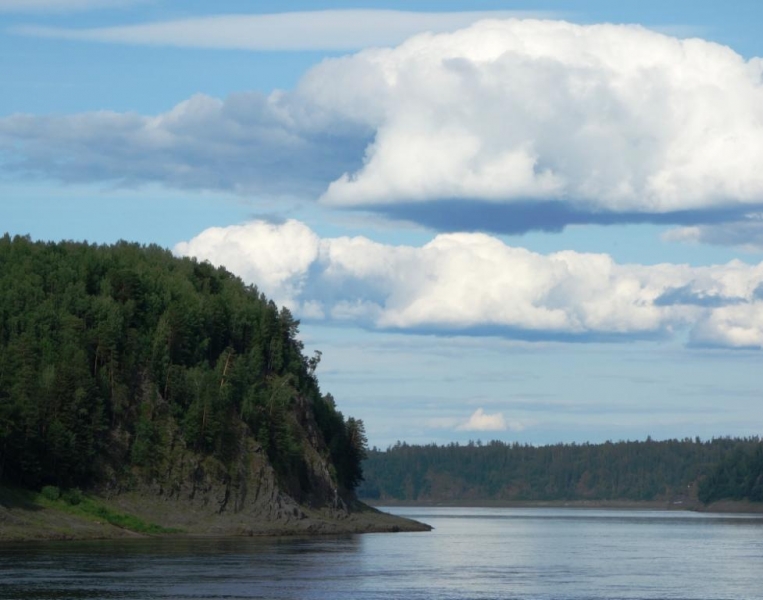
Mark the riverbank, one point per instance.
(27, 516)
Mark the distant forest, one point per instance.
(672, 470)
(114, 357)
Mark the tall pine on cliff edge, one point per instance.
(110, 354)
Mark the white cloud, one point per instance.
(745, 234)
(275, 258)
(475, 284)
(480, 421)
(308, 30)
(604, 117)
(60, 5)
(737, 326)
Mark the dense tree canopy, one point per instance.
(107, 350)
(739, 476)
(648, 470)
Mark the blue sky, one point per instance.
(537, 222)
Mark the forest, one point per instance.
(738, 476)
(671, 470)
(111, 356)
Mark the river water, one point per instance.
(473, 553)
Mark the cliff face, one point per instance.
(164, 385)
(196, 492)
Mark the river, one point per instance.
(473, 553)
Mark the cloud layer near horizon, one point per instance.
(474, 284)
(505, 126)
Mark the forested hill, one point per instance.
(670, 470)
(123, 366)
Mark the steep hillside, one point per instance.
(160, 382)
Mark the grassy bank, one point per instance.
(53, 514)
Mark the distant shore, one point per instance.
(725, 506)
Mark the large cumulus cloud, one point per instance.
(606, 118)
(471, 283)
(506, 126)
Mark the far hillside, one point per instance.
(674, 471)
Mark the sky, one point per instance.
(537, 222)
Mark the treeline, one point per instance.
(738, 476)
(497, 471)
(110, 354)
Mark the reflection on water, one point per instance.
(472, 553)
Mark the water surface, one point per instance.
(473, 553)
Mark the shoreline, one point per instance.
(24, 517)
(56, 529)
(721, 507)
(27, 521)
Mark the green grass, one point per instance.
(93, 509)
